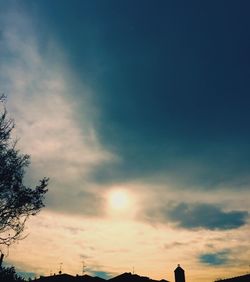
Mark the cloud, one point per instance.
(53, 126)
(214, 259)
(78, 202)
(101, 274)
(26, 275)
(199, 215)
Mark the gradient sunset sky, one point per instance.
(139, 112)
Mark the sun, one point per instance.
(119, 200)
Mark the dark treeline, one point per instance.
(8, 274)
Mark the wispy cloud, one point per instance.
(41, 98)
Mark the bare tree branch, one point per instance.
(17, 201)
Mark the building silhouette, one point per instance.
(179, 274)
(242, 278)
(125, 277)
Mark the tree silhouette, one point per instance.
(8, 274)
(17, 201)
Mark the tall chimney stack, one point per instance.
(179, 274)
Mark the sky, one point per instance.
(138, 112)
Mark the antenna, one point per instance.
(133, 270)
(83, 267)
(60, 267)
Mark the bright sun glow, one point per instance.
(119, 200)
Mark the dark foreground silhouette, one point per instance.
(125, 277)
(9, 274)
(242, 278)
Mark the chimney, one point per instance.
(179, 274)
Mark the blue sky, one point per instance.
(150, 98)
(170, 82)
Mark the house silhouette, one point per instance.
(125, 277)
(242, 278)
